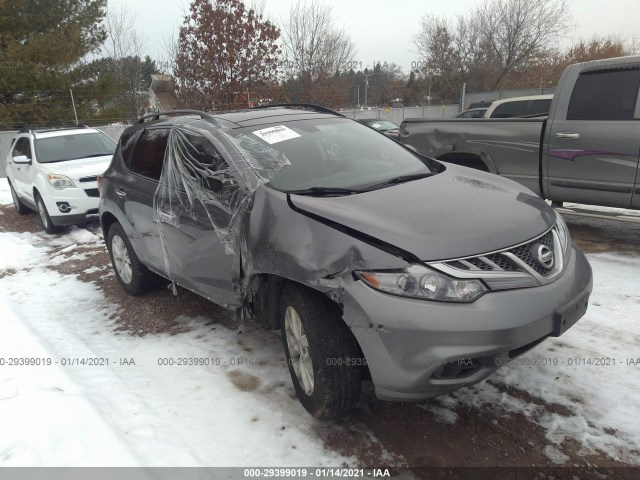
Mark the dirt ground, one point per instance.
(403, 436)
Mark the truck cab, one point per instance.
(592, 140)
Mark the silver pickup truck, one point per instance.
(586, 151)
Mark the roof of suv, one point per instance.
(63, 132)
(240, 118)
(57, 132)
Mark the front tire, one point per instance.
(45, 219)
(134, 277)
(21, 208)
(324, 360)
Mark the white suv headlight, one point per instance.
(424, 283)
(60, 182)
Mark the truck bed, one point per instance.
(506, 146)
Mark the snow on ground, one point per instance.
(240, 409)
(5, 192)
(593, 370)
(46, 418)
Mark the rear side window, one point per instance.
(22, 147)
(540, 107)
(605, 95)
(127, 142)
(510, 109)
(148, 154)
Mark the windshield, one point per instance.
(73, 147)
(329, 153)
(383, 125)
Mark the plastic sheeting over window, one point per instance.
(207, 184)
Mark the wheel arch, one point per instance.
(266, 291)
(107, 219)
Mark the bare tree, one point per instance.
(446, 49)
(517, 30)
(313, 47)
(123, 39)
(123, 49)
(485, 46)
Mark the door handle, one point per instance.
(567, 135)
(121, 193)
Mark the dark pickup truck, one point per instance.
(586, 151)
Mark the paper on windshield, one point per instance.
(276, 134)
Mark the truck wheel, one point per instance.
(134, 277)
(21, 208)
(323, 356)
(45, 219)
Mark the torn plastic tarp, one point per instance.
(205, 173)
(212, 175)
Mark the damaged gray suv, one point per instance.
(374, 262)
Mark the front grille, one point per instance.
(501, 261)
(524, 253)
(92, 192)
(88, 179)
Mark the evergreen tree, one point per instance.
(42, 44)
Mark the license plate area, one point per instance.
(566, 316)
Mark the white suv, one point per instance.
(55, 173)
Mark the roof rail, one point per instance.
(157, 115)
(311, 106)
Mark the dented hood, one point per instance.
(457, 213)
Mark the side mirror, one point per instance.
(22, 160)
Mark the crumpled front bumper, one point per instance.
(412, 346)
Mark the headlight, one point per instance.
(60, 182)
(421, 282)
(563, 232)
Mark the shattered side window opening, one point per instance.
(148, 153)
(211, 179)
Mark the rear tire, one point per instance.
(134, 277)
(45, 219)
(21, 208)
(323, 356)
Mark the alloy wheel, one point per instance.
(298, 346)
(121, 259)
(43, 214)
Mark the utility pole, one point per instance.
(366, 88)
(464, 94)
(74, 106)
(358, 95)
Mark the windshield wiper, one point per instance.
(400, 179)
(322, 191)
(79, 158)
(95, 155)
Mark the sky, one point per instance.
(382, 30)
